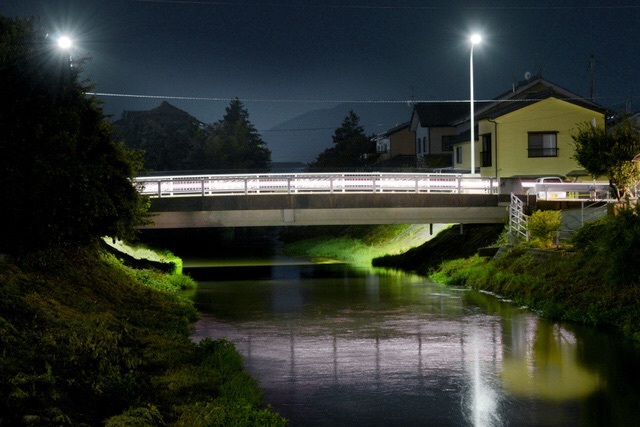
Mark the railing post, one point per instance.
(159, 189)
(246, 185)
(202, 186)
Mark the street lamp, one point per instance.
(475, 39)
(64, 43)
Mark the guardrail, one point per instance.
(209, 185)
(571, 191)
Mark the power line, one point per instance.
(332, 101)
(397, 7)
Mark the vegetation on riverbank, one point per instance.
(355, 244)
(86, 340)
(594, 280)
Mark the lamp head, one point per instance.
(475, 39)
(65, 43)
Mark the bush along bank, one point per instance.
(594, 279)
(86, 340)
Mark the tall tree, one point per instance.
(65, 181)
(351, 147)
(610, 152)
(234, 143)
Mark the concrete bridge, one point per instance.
(322, 199)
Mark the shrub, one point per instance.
(543, 226)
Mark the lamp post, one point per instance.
(475, 39)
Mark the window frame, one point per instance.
(458, 155)
(486, 155)
(538, 149)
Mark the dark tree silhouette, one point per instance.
(351, 149)
(65, 181)
(234, 143)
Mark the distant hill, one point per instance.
(166, 134)
(304, 137)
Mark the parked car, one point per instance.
(540, 189)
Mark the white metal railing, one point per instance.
(294, 183)
(517, 219)
(570, 191)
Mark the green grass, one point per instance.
(86, 340)
(356, 245)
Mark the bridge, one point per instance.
(241, 200)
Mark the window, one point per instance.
(543, 144)
(446, 147)
(458, 154)
(486, 150)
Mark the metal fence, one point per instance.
(209, 185)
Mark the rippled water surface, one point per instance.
(336, 346)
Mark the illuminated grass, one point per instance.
(359, 245)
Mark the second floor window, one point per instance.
(458, 154)
(486, 150)
(543, 144)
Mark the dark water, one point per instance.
(337, 346)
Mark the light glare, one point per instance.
(476, 38)
(64, 42)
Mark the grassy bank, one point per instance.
(356, 245)
(86, 340)
(593, 280)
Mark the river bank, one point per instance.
(87, 340)
(593, 279)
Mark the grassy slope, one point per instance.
(357, 245)
(448, 244)
(86, 340)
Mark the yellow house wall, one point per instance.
(466, 160)
(512, 156)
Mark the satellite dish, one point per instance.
(527, 75)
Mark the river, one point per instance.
(334, 345)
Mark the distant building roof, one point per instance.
(440, 114)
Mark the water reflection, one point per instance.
(337, 346)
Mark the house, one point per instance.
(433, 125)
(396, 147)
(526, 133)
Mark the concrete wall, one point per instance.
(328, 209)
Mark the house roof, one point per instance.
(397, 128)
(440, 114)
(529, 92)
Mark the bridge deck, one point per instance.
(327, 209)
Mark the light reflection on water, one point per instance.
(335, 346)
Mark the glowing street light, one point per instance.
(65, 43)
(475, 39)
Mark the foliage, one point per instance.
(597, 283)
(610, 153)
(66, 182)
(613, 243)
(89, 344)
(351, 149)
(543, 226)
(233, 143)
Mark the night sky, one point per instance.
(286, 57)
